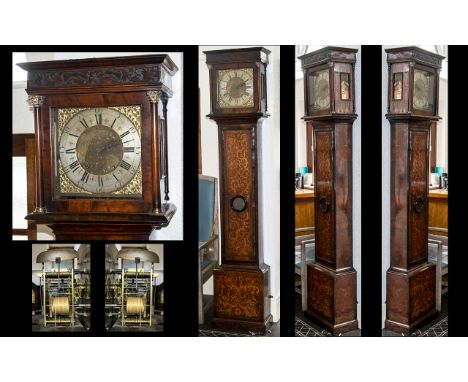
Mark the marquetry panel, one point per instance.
(422, 292)
(324, 198)
(239, 295)
(238, 227)
(320, 292)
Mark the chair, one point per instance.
(438, 255)
(208, 238)
(304, 254)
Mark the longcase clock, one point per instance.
(413, 96)
(101, 146)
(238, 105)
(329, 88)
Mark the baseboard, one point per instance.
(275, 307)
(358, 310)
(384, 315)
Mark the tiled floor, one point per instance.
(306, 328)
(436, 328)
(303, 329)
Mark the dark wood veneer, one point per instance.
(241, 282)
(410, 278)
(331, 278)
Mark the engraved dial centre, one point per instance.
(236, 87)
(99, 150)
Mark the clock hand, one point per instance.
(108, 146)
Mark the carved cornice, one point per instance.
(56, 78)
(316, 59)
(328, 54)
(414, 54)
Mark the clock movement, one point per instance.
(101, 145)
(413, 77)
(238, 105)
(330, 110)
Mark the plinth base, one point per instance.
(241, 298)
(410, 298)
(331, 298)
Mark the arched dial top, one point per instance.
(99, 150)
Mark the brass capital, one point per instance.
(153, 95)
(39, 210)
(36, 101)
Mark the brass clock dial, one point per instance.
(319, 88)
(235, 88)
(423, 90)
(99, 150)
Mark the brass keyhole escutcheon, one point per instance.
(324, 204)
(418, 204)
(238, 203)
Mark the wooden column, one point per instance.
(154, 97)
(164, 99)
(37, 102)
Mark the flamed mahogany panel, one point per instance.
(418, 218)
(399, 195)
(343, 195)
(324, 200)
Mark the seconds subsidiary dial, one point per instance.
(99, 150)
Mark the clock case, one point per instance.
(411, 278)
(103, 82)
(331, 278)
(242, 281)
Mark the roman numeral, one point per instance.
(125, 165)
(73, 135)
(117, 179)
(100, 181)
(70, 151)
(113, 123)
(83, 122)
(85, 177)
(74, 166)
(129, 149)
(128, 141)
(124, 134)
(98, 118)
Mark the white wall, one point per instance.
(156, 248)
(301, 158)
(38, 248)
(441, 160)
(23, 122)
(269, 165)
